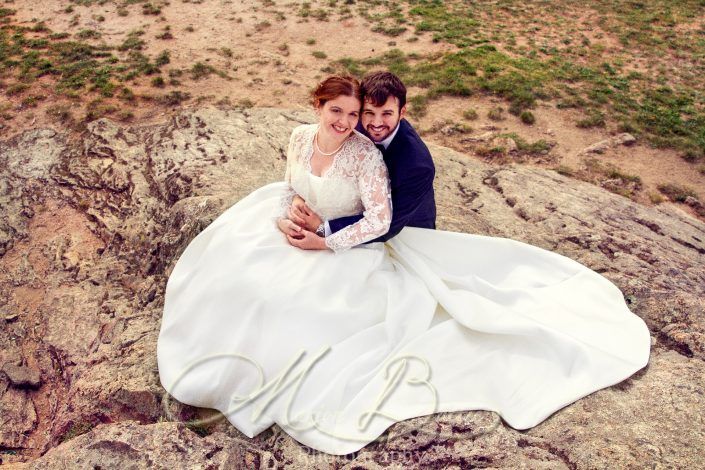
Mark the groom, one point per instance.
(411, 169)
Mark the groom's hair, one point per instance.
(378, 86)
(335, 86)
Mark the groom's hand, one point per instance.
(303, 216)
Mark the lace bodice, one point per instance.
(356, 182)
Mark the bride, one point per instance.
(338, 342)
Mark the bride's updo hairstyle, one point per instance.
(334, 86)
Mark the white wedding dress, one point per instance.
(336, 346)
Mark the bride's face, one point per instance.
(338, 117)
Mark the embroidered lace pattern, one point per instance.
(356, 182)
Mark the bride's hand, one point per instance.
(289, 228)
(302, 215)
(309, 241)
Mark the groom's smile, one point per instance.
(380, 121)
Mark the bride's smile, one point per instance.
(338, 118)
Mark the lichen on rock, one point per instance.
(89, 232)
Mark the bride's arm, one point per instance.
(281, 216)
(288, 193)
(373, 183)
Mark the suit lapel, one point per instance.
(392, 153)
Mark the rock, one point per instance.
(447, 127)
(643, 424)
(598, 147)
(447, 130)
(484, 137)
(129, 444)
(624, 139)
(691, 201)
(10, 317)
(22, 376)
(70, 259)
(604, 145)
(507, 143)
(83, 281)
(18, 418)
(33, 153)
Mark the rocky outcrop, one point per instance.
(603, 145)
(90, 229)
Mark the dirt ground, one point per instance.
(265, 52)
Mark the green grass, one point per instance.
(127, 95)
(527, 117)
(245, 103)
(199, 428)
(200, 70)
(524, 147)
(16, 89)
(649, 23)
(593, 119)
(474, 70)
(392, 31)
(6, 12)
(132, 41)
(97, 109)
(166, 35)
(664, 105)
(76, 429)
(452, 22)
(149, 9)
(496, 114)
(615, 173)
(76, 66)
(174, 98)
(611, 178)
(524, 52)
(677, 192)
(88, 34)
(490, 152)
(61, 113)
(32, 100)
(470, 114)
(162, 59)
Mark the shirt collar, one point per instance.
(385, 143)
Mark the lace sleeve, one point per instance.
(373, 183)
(288, 193)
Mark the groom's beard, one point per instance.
(380, 134)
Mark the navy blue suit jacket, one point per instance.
(411, 173)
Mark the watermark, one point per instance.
(400, 371)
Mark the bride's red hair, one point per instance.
(335, 86)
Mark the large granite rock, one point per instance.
(90, 228)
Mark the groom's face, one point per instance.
(380, 121)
